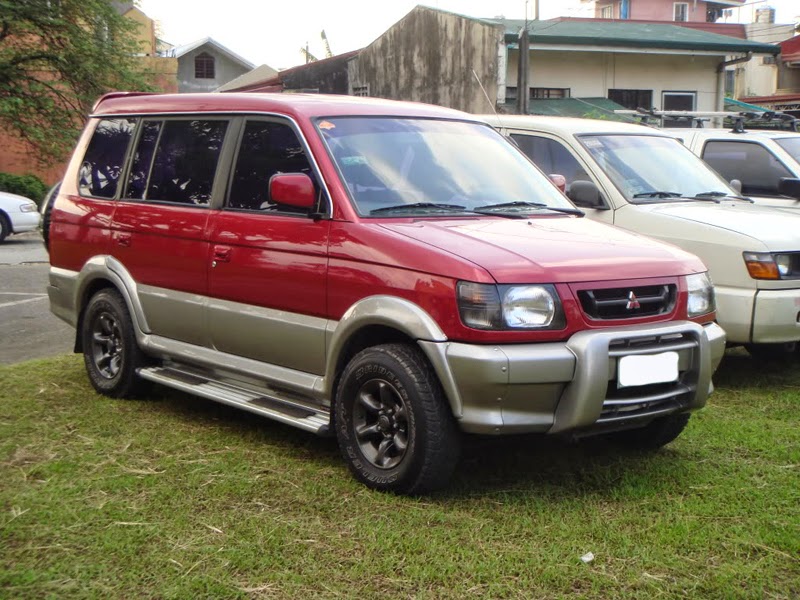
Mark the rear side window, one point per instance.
(105, 157)
(267, 148)
(175, 161)
(551, 157)
(751, 163)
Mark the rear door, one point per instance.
(268, 263)
(160, 224)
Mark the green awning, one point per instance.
(590, 108)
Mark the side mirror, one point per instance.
(584, 194)
(736, 185)
(559, 181)
(789, 186)
(292, 189)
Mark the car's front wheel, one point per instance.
(393, 423)
(110, 351)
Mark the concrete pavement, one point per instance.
(27, 327)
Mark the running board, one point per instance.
(262, 403)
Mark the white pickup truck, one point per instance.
(645, 180)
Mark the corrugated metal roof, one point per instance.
(592, 108)
(630, 34)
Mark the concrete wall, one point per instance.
(755, 78)
(592, 74)
(428, 56)
(224, 70)
(145, 33)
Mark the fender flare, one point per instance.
(399, 314)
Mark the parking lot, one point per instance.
(27, 328)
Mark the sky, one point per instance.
(273, 31)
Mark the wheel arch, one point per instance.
(380, 320)
(103, 272)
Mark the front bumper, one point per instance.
(759, 316)
(571, 387)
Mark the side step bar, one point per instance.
(315, 420)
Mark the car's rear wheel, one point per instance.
(654, 435)
(110, 351)
(5, 227)
(393, 423)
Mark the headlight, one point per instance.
(486, 306)
(768, 265)
(28, 207)
(701, 295)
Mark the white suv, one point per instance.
(766, 162)
(645, 180)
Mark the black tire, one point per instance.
(654, 435)
(772, 351)
(110, 351)
(393, 423)
(5, 227)
(47, 209)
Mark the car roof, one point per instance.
(297, 105)
(727, 132)
(571, 125)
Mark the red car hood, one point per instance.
(551, 250)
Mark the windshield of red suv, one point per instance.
(791, 145)
(406, 167)
(648, 168)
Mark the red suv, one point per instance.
(394, 272)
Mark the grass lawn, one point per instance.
(177, 497)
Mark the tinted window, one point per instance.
(266, 149)
(104, 158)
(791, 145)
(142, 158)
(750, 163)
(551, 157)
(186, 161)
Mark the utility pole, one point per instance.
(522, 71)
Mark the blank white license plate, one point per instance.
(647, 369)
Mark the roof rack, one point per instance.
(697, 119)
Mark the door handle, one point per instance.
(124, 239)
(222, 254)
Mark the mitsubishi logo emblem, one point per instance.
(633, 302)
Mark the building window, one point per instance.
(511, 94)
(204, 66)
(678, 100)
(537, 93)
(607, 12)
(632, 99)
(680, 11)
(361, 90)
(769, 60)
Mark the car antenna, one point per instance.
(488, 100)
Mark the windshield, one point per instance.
(791, 145)
(647, 168)
(406, 167)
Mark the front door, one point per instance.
(268, 263)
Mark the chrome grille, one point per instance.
(628, 302)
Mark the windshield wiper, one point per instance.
(425, 206)
(658, 195)
(491, 208)
(712, 195)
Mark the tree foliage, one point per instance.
(56, 58)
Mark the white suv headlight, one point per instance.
(701, 295)
(487, 306)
